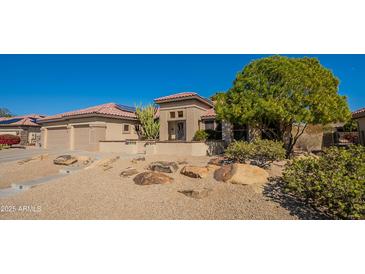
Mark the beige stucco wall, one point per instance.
(192, 111)
(361, 128)
(187, 148)
(120, 147)
(114, 130)
(163, 148)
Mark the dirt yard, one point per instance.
(15, 172)
(103, 194)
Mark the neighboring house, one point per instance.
(359, 116)
(83, 129)
(26, 127)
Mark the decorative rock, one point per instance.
(139, 159)
(223, 174)
(163, 166)
(183, 162)
(152, 178)
(65, 160)
(218, 161)
(243, 174)
(195, 171)
(197, 194)
(129, 172)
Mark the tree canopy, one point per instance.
(4, 112)
(285, 92)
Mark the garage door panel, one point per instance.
(58, 138)
(82, 137)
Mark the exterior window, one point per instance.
(209, 125)
(125, 128)
(172, 114)
(180, 114)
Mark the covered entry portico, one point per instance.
(177, 130)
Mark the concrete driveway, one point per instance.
(16, 154)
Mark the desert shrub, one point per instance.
(260, 152)
(3, 146)
(200, 135)
(333, 184)
(8, 139)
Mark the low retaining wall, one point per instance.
(188, 148)
(126, 147)
(163, 148)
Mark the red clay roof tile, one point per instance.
(109, 109)
(210, 113)
(182, 95)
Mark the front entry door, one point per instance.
(180, 131)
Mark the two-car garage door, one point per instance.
(59, 137)
(84, 137)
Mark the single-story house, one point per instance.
(359, 116)
(26, 127)
(83, 129)
(115, 128)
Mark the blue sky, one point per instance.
(50, 84)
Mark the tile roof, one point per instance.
(210, 113)
(24, 120)
(182, 95)
(358, 113)
(109, 109)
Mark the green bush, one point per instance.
(201, 135)
(333, 184)
(3, 146)
(260, 152)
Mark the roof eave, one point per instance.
(161, 101)
(64, 118)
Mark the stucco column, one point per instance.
(71, 129)
(44, 137)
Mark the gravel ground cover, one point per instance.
(97, 193)
(13, 172)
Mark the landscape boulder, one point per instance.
(182, 162)
(139, 159)
(197, 193)
(65, 160)
(129, 172)
(217, 161)
(163, 166)
(195, 171)
(243, 174)
(152, 178)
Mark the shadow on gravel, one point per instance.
(274, 190)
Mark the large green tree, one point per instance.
(282, 95)
(4, 112)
